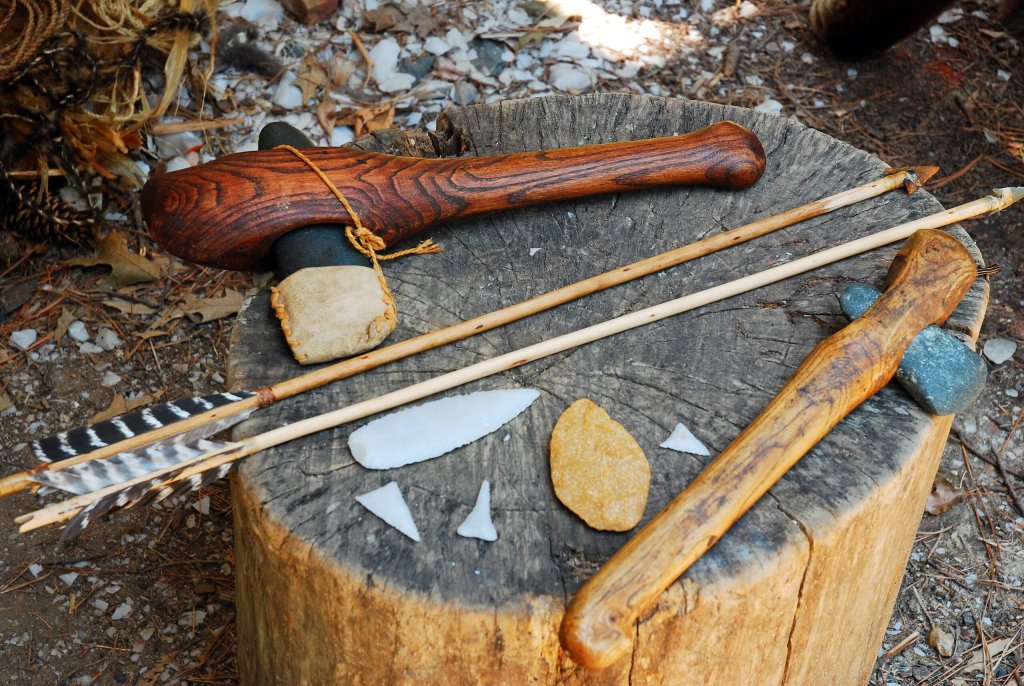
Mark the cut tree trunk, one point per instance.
(798, 592)
(858, 28)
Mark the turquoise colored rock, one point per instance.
(941, 373)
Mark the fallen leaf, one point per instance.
(125, 307)
(527, 38)
(63, 322)
(151, 677)
(1016, 148)
(421, 20)
(941, 641)
(995, 649)
(554, 21)
(1017, 326)
(208, 309)
(153, 333)
(384, 18)
(326, 113)
(369, 119)
(342, 70)
(5, 402)
(162, 260)
(552, 18)
(119, 405)
(944, 496)
(312, 76)
(13, 297)
(127, 268)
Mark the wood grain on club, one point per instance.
(228, 213)
(929, 276)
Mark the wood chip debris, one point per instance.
(905, 643)
(944, 496)
(598, 469)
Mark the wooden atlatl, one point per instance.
(229, 212)
(929, 276)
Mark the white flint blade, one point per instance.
(432, 429)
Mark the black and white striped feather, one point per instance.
(166, 485)
(110, 432)
(88, 514)
(96, 474)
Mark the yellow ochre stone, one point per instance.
(598, 469)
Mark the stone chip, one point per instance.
(598, 469)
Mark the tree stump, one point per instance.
(857, 28)
(798, 592)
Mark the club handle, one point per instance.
(228, 213)
(930, 275)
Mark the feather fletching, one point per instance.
(165, 484)
(102, 434)
(96, 474)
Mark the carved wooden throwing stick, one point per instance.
(929, 276)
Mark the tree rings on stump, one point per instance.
(798, 592)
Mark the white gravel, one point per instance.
(23, 339)
(78, 332)
(481, 53)
(999, 350)
(107, 339)
(122, 611)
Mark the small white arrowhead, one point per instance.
(685, 442)
(478, 524)
(387, 503)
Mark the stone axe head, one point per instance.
(938, 370)
(234, 212)
(330, 302)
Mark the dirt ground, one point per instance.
(147, 596)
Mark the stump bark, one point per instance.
(798, 592)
